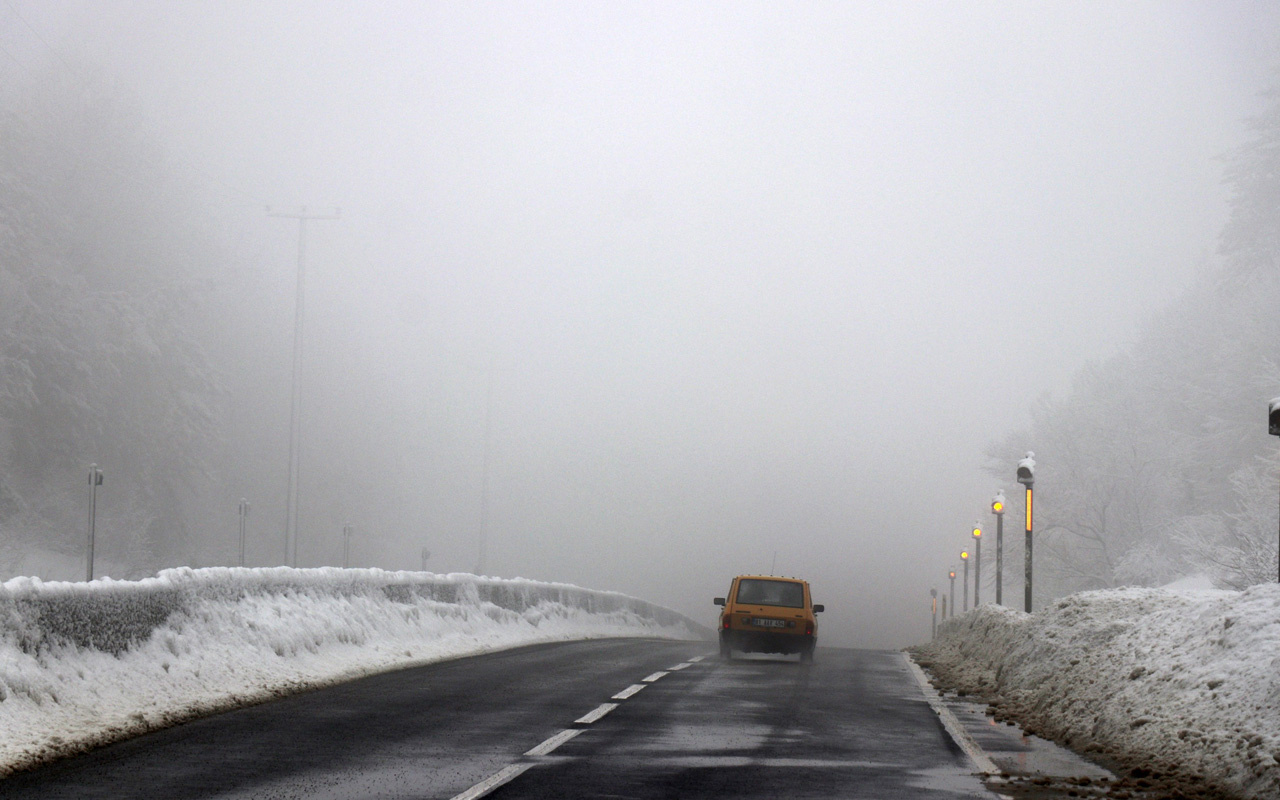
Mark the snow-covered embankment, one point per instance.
(83, 664)
(1184, 683)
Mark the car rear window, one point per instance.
(771, 593)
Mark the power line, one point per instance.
(15, 60)
(36, 33)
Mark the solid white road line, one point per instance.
(980, 759)
(628, 692)
(555, 741)
(679, 667)
(600, 711)
(655, 676)
(696, 659)
(492, 782)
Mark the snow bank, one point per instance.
(1186, 683)
(84, 664)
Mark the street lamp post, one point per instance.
(1027, 477)
(95, 480)
(244, 512)
(977, 563)
(425, 555)
(346, 545)
(953, 592)
(933, 628)
(1273, 420)
(997, 508)
(964, 556)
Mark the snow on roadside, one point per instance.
(84, 664)
(1183, 682)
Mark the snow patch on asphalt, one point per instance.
(1185, 682)
(85, 664)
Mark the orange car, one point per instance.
(764, 614)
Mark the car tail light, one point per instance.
(808, 629)
(726, 622)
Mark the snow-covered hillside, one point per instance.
(83, 664)
(1184, 683)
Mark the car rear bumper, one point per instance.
(767, 641)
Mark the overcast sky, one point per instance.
(745, 278)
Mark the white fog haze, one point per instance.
(647, 295)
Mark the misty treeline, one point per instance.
(1157, 464)
(102, 330)
(145, 328)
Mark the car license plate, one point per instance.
(768, 623)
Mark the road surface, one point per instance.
(603, 718)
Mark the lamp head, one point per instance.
(1027, 470)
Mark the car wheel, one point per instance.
(806, 655)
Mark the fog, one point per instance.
(650, 295)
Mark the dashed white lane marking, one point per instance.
(949, 721)
(600, 711)
(492, 782)
(628, 692)
(555, 741)
(507, 774)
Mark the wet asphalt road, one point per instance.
(852, 725)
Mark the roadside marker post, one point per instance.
(95, 480)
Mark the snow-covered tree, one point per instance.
(97, 292)
(1239, 548)
(1251, 237)
(1157, 463)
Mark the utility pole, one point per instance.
(295, 408)
(484, 481)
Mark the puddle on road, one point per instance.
(687, 738)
